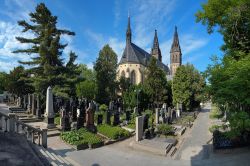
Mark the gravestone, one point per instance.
(169, 114)
(99, 119)
(90, 117)
(111, 105)
(97, 107)
(80, 118)
(156, 116)
(139, 128)
(33, 109)
(162, 116)
(145, 122)
(49, 112)
(127, 115)
(29, 103)
(24, 102)
(135, 110)
(107, 117)
(38, 110)
(178, 114)
(74, 110)
(116, 119)
(65, 124)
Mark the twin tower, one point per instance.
(134, 59)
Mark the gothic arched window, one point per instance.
(133, 77)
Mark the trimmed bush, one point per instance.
(112, 132)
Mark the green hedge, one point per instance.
(81, 136)
(112, 132)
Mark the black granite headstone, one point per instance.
(107, 117)
(116, 119)
(99, 119)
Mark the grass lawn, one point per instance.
(112, 132)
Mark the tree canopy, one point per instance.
(156, 83)
(105, 68)
(229, 77)
(188, 86)
(46, 63)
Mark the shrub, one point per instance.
(57, 120)
(131, 125)
(81, 136)
(165, 129)
(215, 113)
(213, 128)
(112, 132)
(103, 107)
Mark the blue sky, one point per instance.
(99, 22)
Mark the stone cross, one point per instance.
(49, 112)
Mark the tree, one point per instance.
(86, 73)
(87, 87)
(188, 86)
(156, 83)
(46, 50)
(130, 97)
(105, 68)
(70, 75)
(232, 18)
(3, 81)
(229, 77)
(124, 84)
(16, 83)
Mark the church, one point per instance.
(135, 60)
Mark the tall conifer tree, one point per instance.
(46, 64)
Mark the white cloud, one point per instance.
(190, 43)
(165, 51)
(98, 39)
(8, 42)
(6, 66)
(149, 15)
(18, 10)
(90, 65)
(117, 12)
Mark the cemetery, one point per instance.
(112, 98)
(82, 124)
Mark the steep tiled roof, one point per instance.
(134, 54)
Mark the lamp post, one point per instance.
(137, 97)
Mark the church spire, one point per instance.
(175, 54)
(128, 33)
(175, 45)
(156, 52)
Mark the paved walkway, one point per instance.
(195, 145)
